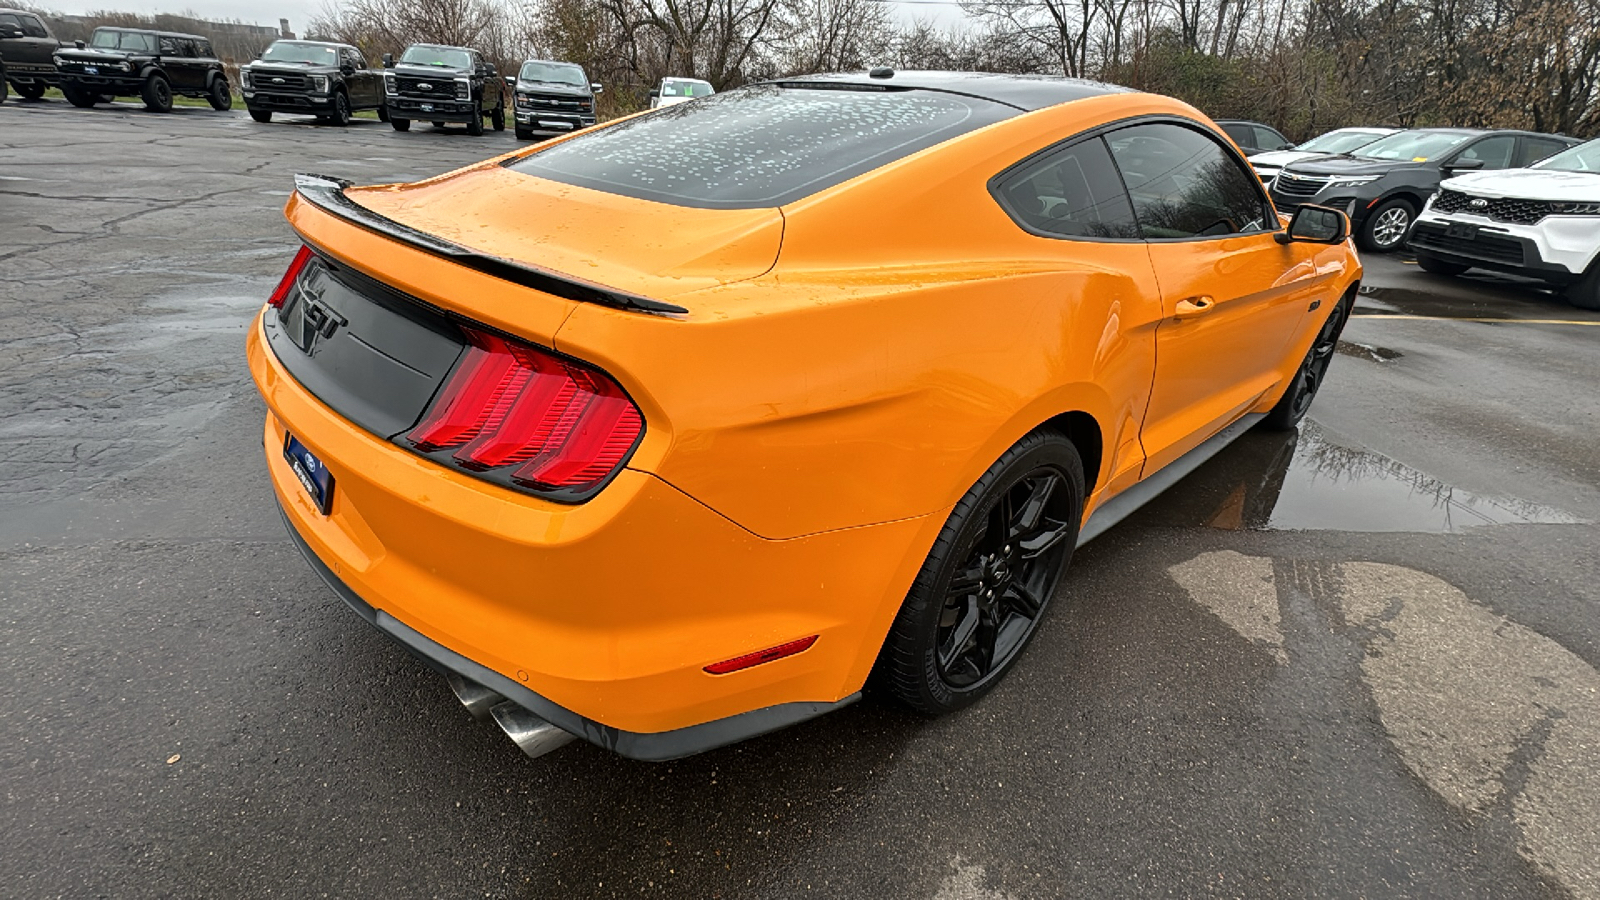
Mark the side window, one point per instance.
(1267, 139)
(1494, 151)
(1072, 192)
(190, 49)
(1242, 135)
(205, 49)
(1184, 184)
(7, 20)
(169, 47)
(32, 27)
(1534, 149)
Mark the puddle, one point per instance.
(1367, 351)
(1306, 481)
(1490, 296)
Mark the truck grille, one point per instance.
(279, 81)
(436, 88)
(1521, 212)
(1299, 186)
(1427, 236)
(551, 103)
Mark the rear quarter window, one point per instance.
(759, 146)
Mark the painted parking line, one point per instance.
(1490, 319)
(1489, 714)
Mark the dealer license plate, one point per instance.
(1462, 231)
(92, 70)
(427, 107)
(313, 475)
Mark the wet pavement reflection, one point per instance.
(1464, 296)
(1308, 480)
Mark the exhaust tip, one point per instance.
(478, 699)
(534, 735)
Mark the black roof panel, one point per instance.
(1028, 92)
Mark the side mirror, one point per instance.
(655, 94)
(78, 44)
(1315, 225)
(11, 33)
(595, 88)
(1462, 165)
(388, 60)
(511, 82)
(1284, 146)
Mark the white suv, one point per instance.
(1541, 222)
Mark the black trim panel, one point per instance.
(327, 194)
(654, 747)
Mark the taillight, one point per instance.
(770, 654)
(281, 293)
(524, 417)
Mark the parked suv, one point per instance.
(442, 84)
(1541, 222)
(27, 51)
(1383, 185)
(329, 81)
(673, 91)
(553, 98)
(136, 62)
(1340, 140)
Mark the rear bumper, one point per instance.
(599, 617)
(458, 111)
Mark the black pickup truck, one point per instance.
(440, 84)
(138, 62)
(553, 98)
(26, 54)
(329, 81)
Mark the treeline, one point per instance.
(233, 41)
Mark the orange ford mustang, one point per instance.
(668, 433)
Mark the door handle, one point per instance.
(1195, 306)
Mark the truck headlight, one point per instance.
(388, 85)
(319, 83)
(463, 89)
(123, 67)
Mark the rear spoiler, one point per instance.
(327, 194)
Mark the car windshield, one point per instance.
(1341, 141)
(289, 51)
(764, 145)
(443, 57)
(137, 41)
(553, 73)
(674, 88)
(1582, 158)
(1415, 146)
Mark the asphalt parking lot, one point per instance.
(1360, 660)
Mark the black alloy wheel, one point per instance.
(157, 94)
(983, 590)
(220, 95)
(341, 110)
(475, 124)
(498, 118)
(33, 90)
(1296, 401)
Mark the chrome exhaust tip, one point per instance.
(534, 735)
(478, 699)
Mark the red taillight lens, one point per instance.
(764, 656)
(525, 416)
(281, 293)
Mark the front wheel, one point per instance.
(1385, 230)
(383, 114)
(157, 94)
(79, 97)
(400, 124)
(498, 118)
(261, 115)
(1438, 265)
(475, 124)
(341, 110)
(220, 96)
(524, 134)
(983, 589)
(33, 90)
(1585, 293)
(1296, 401)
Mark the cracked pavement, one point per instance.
(1354, 661)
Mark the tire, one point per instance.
(1313, 371)
(79, 97)
(383, 114)
(524, 134)
(498, 118)
(157, 93)
(400, 124)
(475, 125)
(5, 87)
(261, 115)
(219, 95)
(438, 124)
(1438, 265)
(1385, 230)
(1585, 293)
(33, 90)
(986, 583)
(341, 110)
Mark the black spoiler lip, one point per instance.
(327, 194)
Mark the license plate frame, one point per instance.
(1461, 231)
(310, 471)
(427, 107)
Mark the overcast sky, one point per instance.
(300, 12)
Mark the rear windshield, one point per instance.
(136, 41)
(765, 145)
